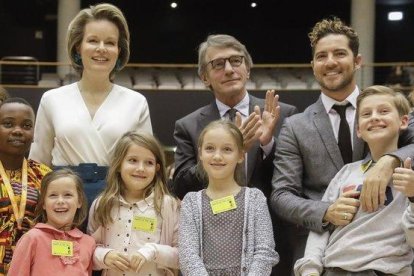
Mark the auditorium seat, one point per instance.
(167, 79)
(50, 80)
(124, 78)
(143, 79)
(70, 78)
(190, 79)
(27, 74)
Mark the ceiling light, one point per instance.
(395, 16)
(253, 5)
(173, 5)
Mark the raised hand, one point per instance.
(403, 179)
(260, 126)
(270, 117)
(250, 128)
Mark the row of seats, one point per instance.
(187, 79)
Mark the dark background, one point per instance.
(274, 32)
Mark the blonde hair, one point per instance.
(81, 213)
(76, 32)
(334, 26)
(235, 133)
(411, 98)
(399, 100)
(114, 183)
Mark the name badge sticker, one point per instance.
(144, 224)
(62, 248)
(223, 204)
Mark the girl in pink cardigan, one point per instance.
(135, 221)
(55, 246)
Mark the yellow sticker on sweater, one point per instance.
(223, 204)
(62, 248)
(144, 224)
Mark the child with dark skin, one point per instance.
(19, 178)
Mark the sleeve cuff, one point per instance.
(267, 149)
(99, 257)
(148, 251)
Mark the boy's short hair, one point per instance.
(400, 101)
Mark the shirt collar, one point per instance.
(74, 233)
(328, 102)
(367, 163)
(148, 201)
(242, 107)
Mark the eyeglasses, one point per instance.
(220, 63)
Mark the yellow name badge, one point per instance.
(223, 204)
(144, 224)
(62, 248)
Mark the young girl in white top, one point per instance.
(225, 229)
(55, 245)
(135, 220)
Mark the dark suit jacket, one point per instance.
(307, 158)
(187, 130)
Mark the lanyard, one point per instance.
(18, 212)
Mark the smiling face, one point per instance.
(16, 129)
(138, 170)
(219, 154)
(61, 203)
(379, 121)
(99, 47)
(229, 83)
(334, 66)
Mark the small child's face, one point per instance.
(219, 154)
(138, 170)
(379, 120)
(16, 128)
(61, 203)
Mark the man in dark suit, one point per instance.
(308, 155)
(224, 66)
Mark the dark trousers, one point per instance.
(290, 244)
(334, 271)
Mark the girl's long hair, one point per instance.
(109, 197)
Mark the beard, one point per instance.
(336, 86)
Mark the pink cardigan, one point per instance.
(33, 253)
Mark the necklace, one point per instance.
(18, 212)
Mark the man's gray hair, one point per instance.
(221, 41)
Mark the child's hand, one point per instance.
(137, 261)
(403, 179)
(117, 261)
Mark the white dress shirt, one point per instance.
(328, 103)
